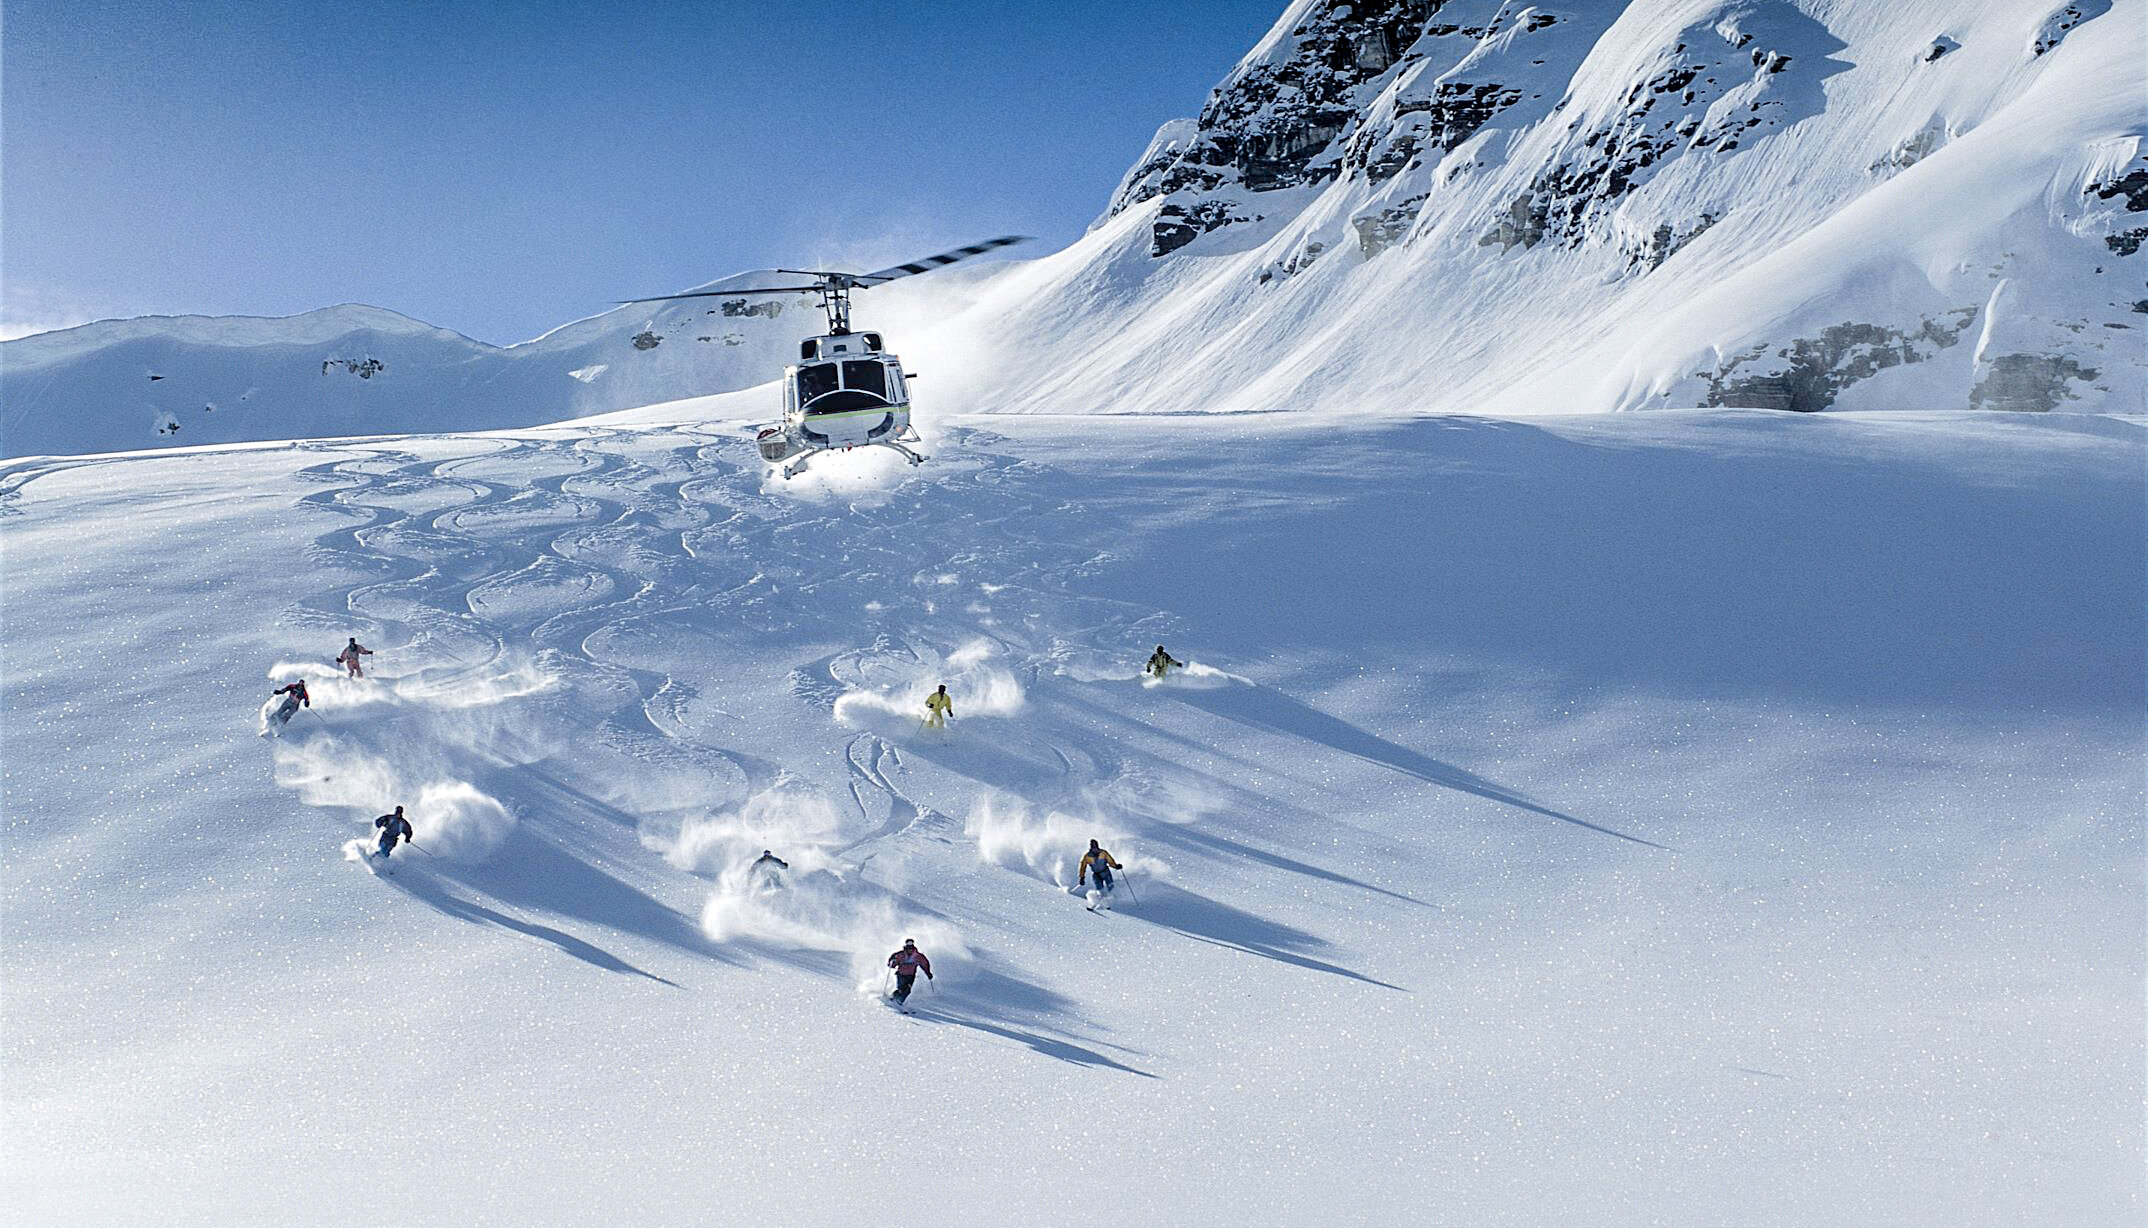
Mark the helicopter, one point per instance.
(846, 390)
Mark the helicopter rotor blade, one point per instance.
(665, 298)
(942, 260)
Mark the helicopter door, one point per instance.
(815, 382)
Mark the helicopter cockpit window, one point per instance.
(866, 377)
(816, 381)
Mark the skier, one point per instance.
(907, 963)
(1099, 862)
(768, 867)
(938, 707)
(350, 654)
(294, 695)
(1160, 663)
(393, 827)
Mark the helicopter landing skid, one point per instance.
(797, 463)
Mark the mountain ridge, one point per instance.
(1406, 207)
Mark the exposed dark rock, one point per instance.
(1522, 224)
(1806, 375)
(1449, 116)
(2028, 383)
(363, 368)
(2133, 186)
(2054, 29)
(646, 340)
(1376, 232)
(1667, 239)
(1300, 119)
(1677, 113)
(767, 307)
(1298, 262)
(2127, 242)
(1176, 225)
(1919, 146)
(1940, 46)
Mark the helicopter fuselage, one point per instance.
(846, 391)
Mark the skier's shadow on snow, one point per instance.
(438, 897)
(1206, 920)
(531, 871)
(1275, 712)
(983, 987)
(1063, 1050)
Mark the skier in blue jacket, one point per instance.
(393, 827)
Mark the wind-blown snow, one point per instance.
(1680, 818)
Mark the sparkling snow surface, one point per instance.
(1693, 818)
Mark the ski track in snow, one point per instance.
(1401, 920)
(515, 576)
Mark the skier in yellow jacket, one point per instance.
(938, 707)
(1099, 862)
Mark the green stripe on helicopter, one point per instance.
(812, 416)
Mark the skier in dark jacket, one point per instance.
(907, 963)
(1160, 662)
(393, 827)
(768, 868)
(294, 695)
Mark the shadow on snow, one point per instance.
(1210, 921)
(1262, 708)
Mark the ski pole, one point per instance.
(1130, 887)
(428, 853)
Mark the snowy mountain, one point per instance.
(1684, 818)
(1480, 204)
(1402, 206)
(352, 370)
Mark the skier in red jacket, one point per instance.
(293, 696)
(907, 963)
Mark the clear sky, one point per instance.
(502, 168)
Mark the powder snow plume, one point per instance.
(976, 680)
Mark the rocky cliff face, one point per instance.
(1610, 160)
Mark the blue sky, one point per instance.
(500, 169)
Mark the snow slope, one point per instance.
(348, 370)
(1681, 818)
(1398, 207)
(1470, 205)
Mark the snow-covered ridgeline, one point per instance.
(1405, 206)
